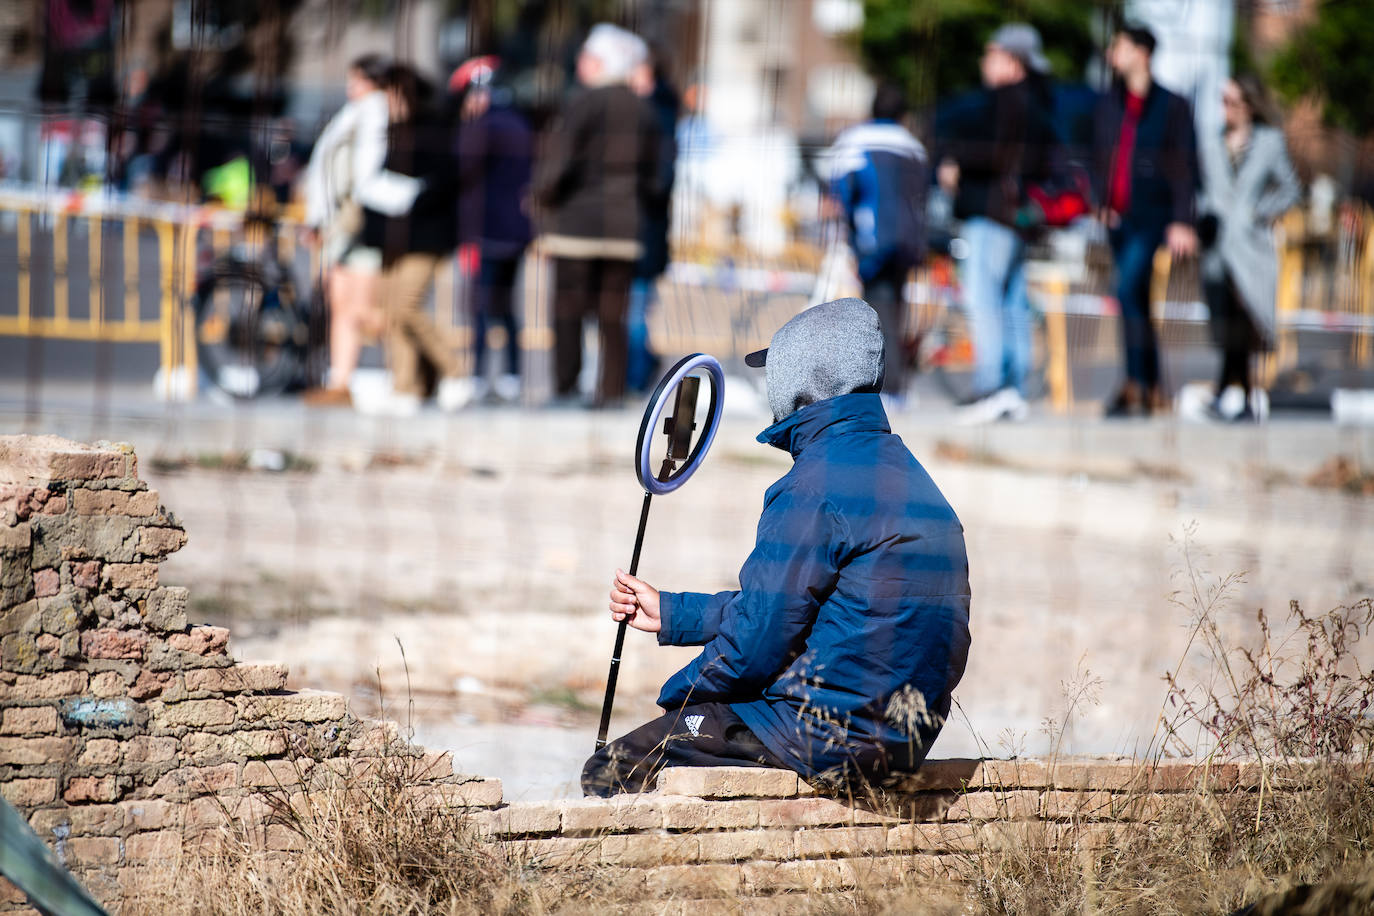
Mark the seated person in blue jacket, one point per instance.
(837, 655)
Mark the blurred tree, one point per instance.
(1329, 58)
(932, 47)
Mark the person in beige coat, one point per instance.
(1248, 183)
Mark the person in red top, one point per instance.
(1146, 170)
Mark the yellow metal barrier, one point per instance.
(1325, 282)
(28, 318)
(172, 260)
(1362, 347)
(1312, 291)
(24, 280)
(1058, 377)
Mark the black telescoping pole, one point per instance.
(620, 633)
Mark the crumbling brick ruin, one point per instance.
(128, 735)
(125, 730)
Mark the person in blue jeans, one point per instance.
(1146, 170)
(997, 141)
(993, 279)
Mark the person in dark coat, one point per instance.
(998, 142)
(495, 151)
(838, 654)
(409, 214)
(1146, 174)
(596, 178)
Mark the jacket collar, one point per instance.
(1151, 94)
(848, 413)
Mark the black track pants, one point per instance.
(698, 735)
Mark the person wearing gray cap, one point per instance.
(837, 655)
(998, 144)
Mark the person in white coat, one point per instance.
(1248, 183)
(347, 157)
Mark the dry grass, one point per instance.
(1302, 841)
(368, 837)
(368, 843)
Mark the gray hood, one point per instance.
(828, 350)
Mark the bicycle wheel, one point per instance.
(250, 335)
(947, 350)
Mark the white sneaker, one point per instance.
(1003, 404)
(1014, 406)
(393, 404)
(1231, 402)
(454, 393)
(508, 387)
(1193, 403)
(987, 409)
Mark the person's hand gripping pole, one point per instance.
(635, 602)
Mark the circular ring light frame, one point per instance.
(663, 396)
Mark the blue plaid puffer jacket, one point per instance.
(850, 627)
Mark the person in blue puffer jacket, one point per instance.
(879, 175)
(838, 654)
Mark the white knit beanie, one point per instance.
(618, 50)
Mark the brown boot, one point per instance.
(327, 397)
(1157, 402)
(1128, 402)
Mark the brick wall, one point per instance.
(127, 734)
(731, 832)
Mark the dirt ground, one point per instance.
(465, 590)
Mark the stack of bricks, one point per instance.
(125, 731)
(733, 832)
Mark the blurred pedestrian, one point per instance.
(598, 175)
(651, 83)
(1146, 168)
(1248, 183)
(878, 175)
(410, 214)
(1000, 141)
(495, 150)
(350, 150)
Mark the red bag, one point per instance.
(1059, 203)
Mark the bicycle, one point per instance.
(942, 342)
(255, 335)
